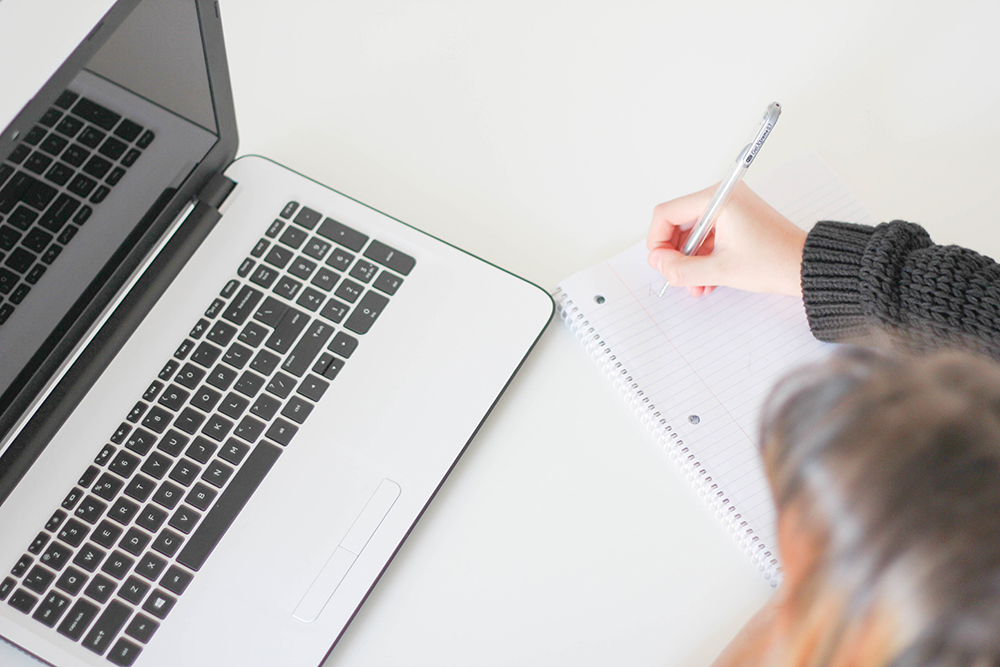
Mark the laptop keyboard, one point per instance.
(111, 563)
(64, 166)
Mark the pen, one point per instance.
(704, 225)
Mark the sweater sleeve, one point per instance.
(863, 284)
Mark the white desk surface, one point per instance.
(539, 135)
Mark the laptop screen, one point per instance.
(92, 172)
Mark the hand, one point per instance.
(752, 248)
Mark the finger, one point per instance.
(669, 216)
(686, 271)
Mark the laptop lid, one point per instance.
(165, 59)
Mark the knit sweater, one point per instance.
(867, 284)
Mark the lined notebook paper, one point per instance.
(697, 370)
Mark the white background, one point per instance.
(539, 136)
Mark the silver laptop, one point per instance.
(227, 392)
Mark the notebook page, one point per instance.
(701, 368)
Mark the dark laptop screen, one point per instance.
(92, 172)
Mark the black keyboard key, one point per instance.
(201, 449)
(200, 496)
(316, 248)
(340, 259)
(124, 464)
(243, 305)
(342, 234)
(287, 287)
(281, 431)
(174, 397)
(38, 579)
(97, 167)
(281, 385)
(363, 271)
(55, 521)
(234, 451)
(100, 588)
(213, 310)
(96, 114)
(221, 376)
(56, 556)
(51, 609)
(51, 117)
(141, 628)
(75, 155)
(249, 384)
(312, 388)
(107, 487)
(325, 279)
(221, 333)
(265, 362)
(66, 99)
(189, 376)
(118, 565)
(253, 334)
(349, 291)
(107, 627)
(106, 534)
(112, 148)
(128, 130)
(168, 495)
(176, 580)
(99, 194)
(189, 421)
(67, 234)
(390, 258)
(184, 519)
(237, 355)
(217, 473)
(149, 395)
(294, 237)
(20, 260)
(38, 543)
(130, 157)
(59, 173)
(275, 227)
(217, 521)
(206, 354)
(343, 344)
(157, 465)
(78, 619)
(367, 311)
(72, 498)
(6, 310)
(311, 299)
(331, 368)
(82, 185)
(302, 268)
(91, 509)
(264, 276)
(7, 280)
(271, 311)
(167, 543)
(19, 153)
(123, 511)
(173, 442)
(305, 352)
(114, 176)
(141, 486)
(22, 565)
(71, 581)
(133, 590)
(249, 429)
(297, 409)
(23, 601)
(89, 557)
(53, 144)
(21, 291)
(260, 248)
(22, 217)
(146, 139)
(151, 566)
(306, 217)
(141, 441)
(124, 653)
(134, 541)
(245, 268)
(266, 407)
(291, 325)
(38, 195)
(34, 135)
(159, 604)
(51, 254)
(278, 256)
(6, 587)
(205, 399)
(91, 137)
(150, 518)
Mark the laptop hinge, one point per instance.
(215, 192)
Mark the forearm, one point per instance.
(863, 283)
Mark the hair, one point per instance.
(894, 463)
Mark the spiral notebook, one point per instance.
(697, 370)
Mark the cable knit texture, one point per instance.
(865, 284)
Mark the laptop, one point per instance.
(227, 391)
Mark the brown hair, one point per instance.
(894, 461)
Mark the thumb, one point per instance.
(684, 270)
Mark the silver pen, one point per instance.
(704, 225)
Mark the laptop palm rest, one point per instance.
(343, 557)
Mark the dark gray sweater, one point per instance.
(865, 284)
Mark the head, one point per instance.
(886, 474)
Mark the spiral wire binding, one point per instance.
(667, 438)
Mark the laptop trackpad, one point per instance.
(346, 553)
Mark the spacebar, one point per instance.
(232, 500)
